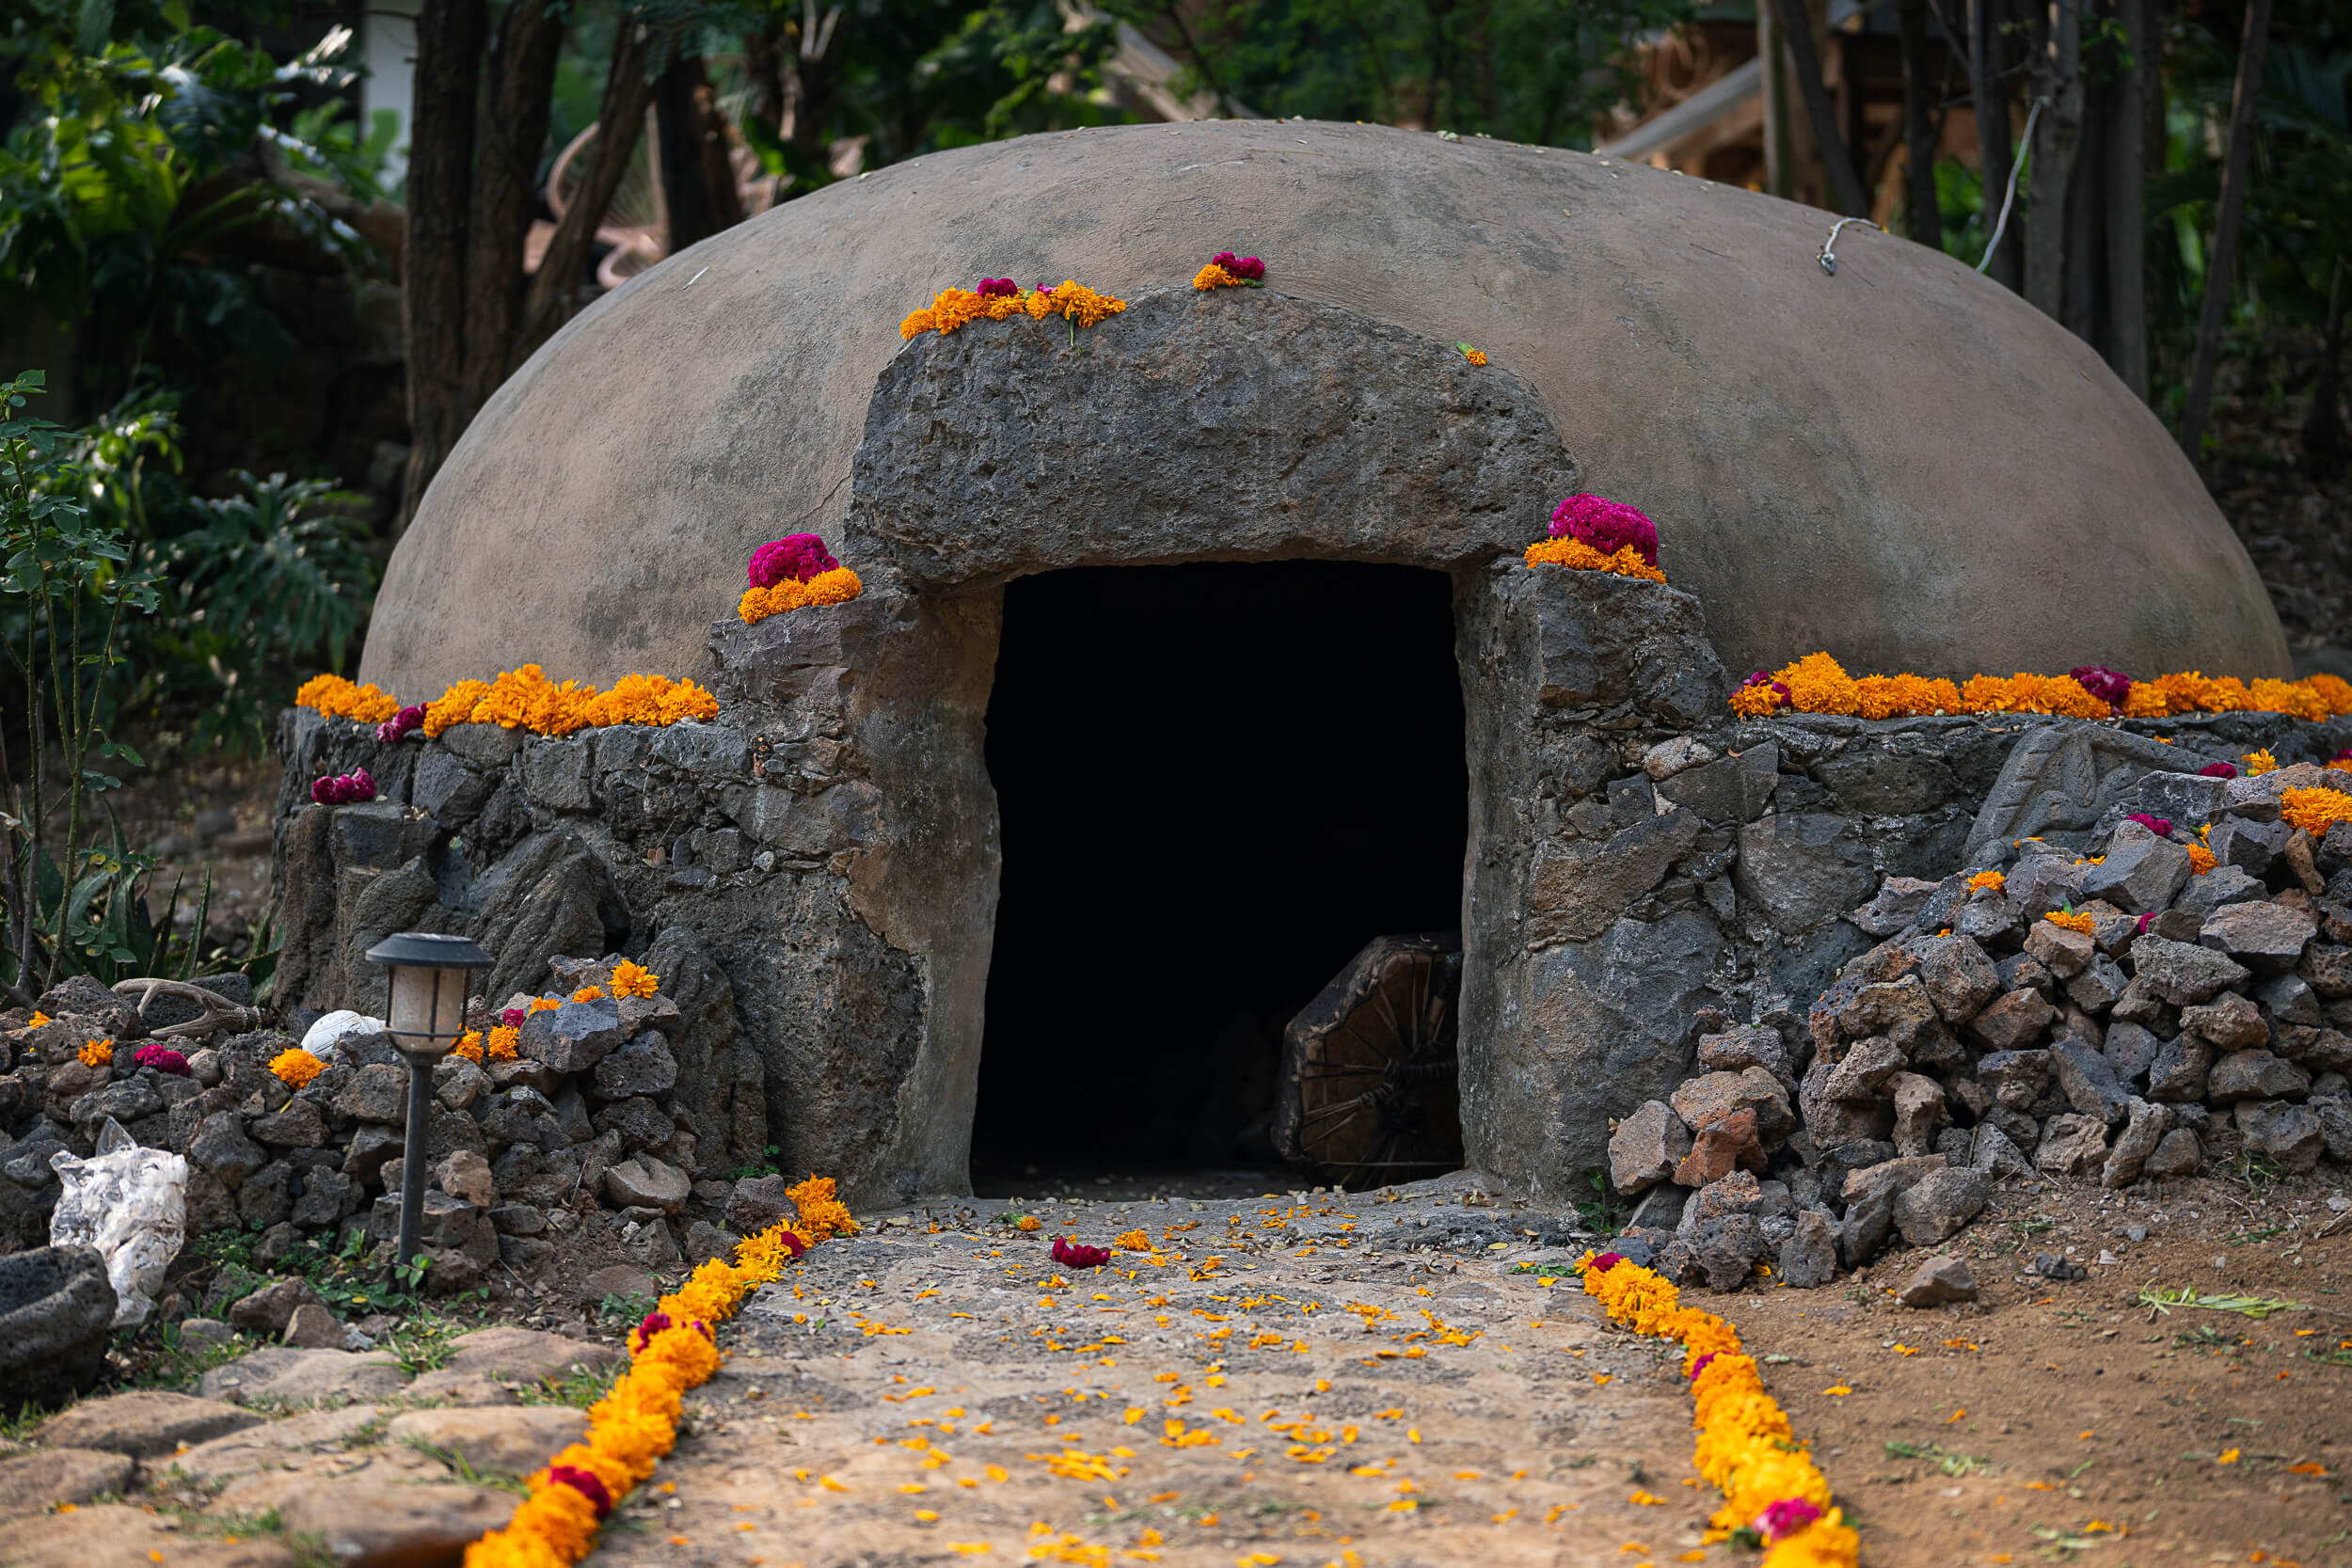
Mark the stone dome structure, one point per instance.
(1901, 463)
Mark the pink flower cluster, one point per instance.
(1785, 1518)
(796, 557)
(993, 287)
(1247, 268)
(1607, 525)
(513, 1017)
(162, 1059)
(2217, 771)
(1764, 677)
(586, 1485)
(394, 729)
(1077, 1257)
(344, 789)
(2109, 686)
(1606, 1261)
(2160, 826)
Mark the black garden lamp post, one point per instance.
(431, 974)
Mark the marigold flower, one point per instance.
(1214, 277)
(97, 1052)
(1818, 684)
(2258, 763)
(469, 1046)
(295, 1068)
(1756, 702)
(500, 1047)
(634, 979)
(2071, 920)
(1078, 1257)
(2333, 691)
(2200, 860)
(1475, 355)
(1607, 525)
(1134, 1241)
(589, 993)
(1026, 1222)
(838, 585)
(1991, 879)
(2315, 810)
(338, 698)
(39, 1020)
(822, 1215)
(543, 1003)
(1578, 556)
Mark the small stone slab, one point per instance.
(36, 1483)
(143, 1423)
(291, 1376)
(375, 1524)
(525, 1355)
(514, 1439)
(260, 1447)
(1940, 1280)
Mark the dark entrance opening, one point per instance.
(1217, 783)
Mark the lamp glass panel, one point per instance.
(428, 1008)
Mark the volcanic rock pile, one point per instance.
(597, 1122)
(2201, 1018)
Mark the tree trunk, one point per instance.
(2058, 73)
(1845, 184)
(697, 184)
(2128, 225)
(505, 189)
(2221, 261)
(2085, 261)
(2323, 426)
(620, 118)
(1989, 92)
(1920, 95)
(433, 262)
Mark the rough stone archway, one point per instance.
(1204, 428)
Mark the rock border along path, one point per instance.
(1432, 1406)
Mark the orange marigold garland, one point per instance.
(1746, 1448)
(636, 1422)
(2089, 691)
(338, 698)
(1577, 555)
(1000, 298)
(2315, 810)
(838, 586)
(525, 699)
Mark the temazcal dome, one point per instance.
(1901, 463)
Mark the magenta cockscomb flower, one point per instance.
(1247, 268)
(2109, 686)
(1700, 1365)
(1606, 1261)
(162, 1059)
(395, 729)
(513, 1017)
(344, 789)
(1607, 525)
(1074, 1256)
(586, 1485)
(1786, 1517)
(993, 287)
(2160, 826)
(796, 557)
(2219, 770)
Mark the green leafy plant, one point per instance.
(2257, 1307)
(66, 574)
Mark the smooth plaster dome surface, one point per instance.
(1904, 462)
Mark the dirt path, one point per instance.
(1282, 1382)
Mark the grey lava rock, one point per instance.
(2289, 1137)
(1643, 1152)
(642, 1066)
(2183, 974)
(1939, 1203)
(2147, 1127)
(1808, 1258)
(57, 1311)
(1939, 1281)
(574, 1036)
